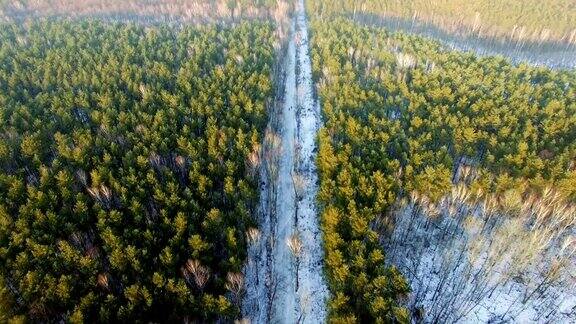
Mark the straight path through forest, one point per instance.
(284, 278)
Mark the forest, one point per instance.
(128, 168)
(404, 116)
(175, 12)
(516, 20)
(263, 161)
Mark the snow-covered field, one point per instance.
(284, 278)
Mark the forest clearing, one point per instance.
(285, 270)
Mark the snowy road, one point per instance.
(284, 278)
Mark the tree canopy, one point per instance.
(517, 20)
(127, 170)
(403, 114)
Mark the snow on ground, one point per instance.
(465, 265)
(561, 57)
(313, 291)
(283, 286)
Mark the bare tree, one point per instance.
(470, 249)
(294, 243)
(200, 274)
(272, 153)
(102, 194)
(252, 235)
(235, 284)
(253, 161)
(103, 281)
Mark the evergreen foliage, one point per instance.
(403, 114)
(517, 20)
(126, 183)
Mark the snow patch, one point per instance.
(467, 262)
